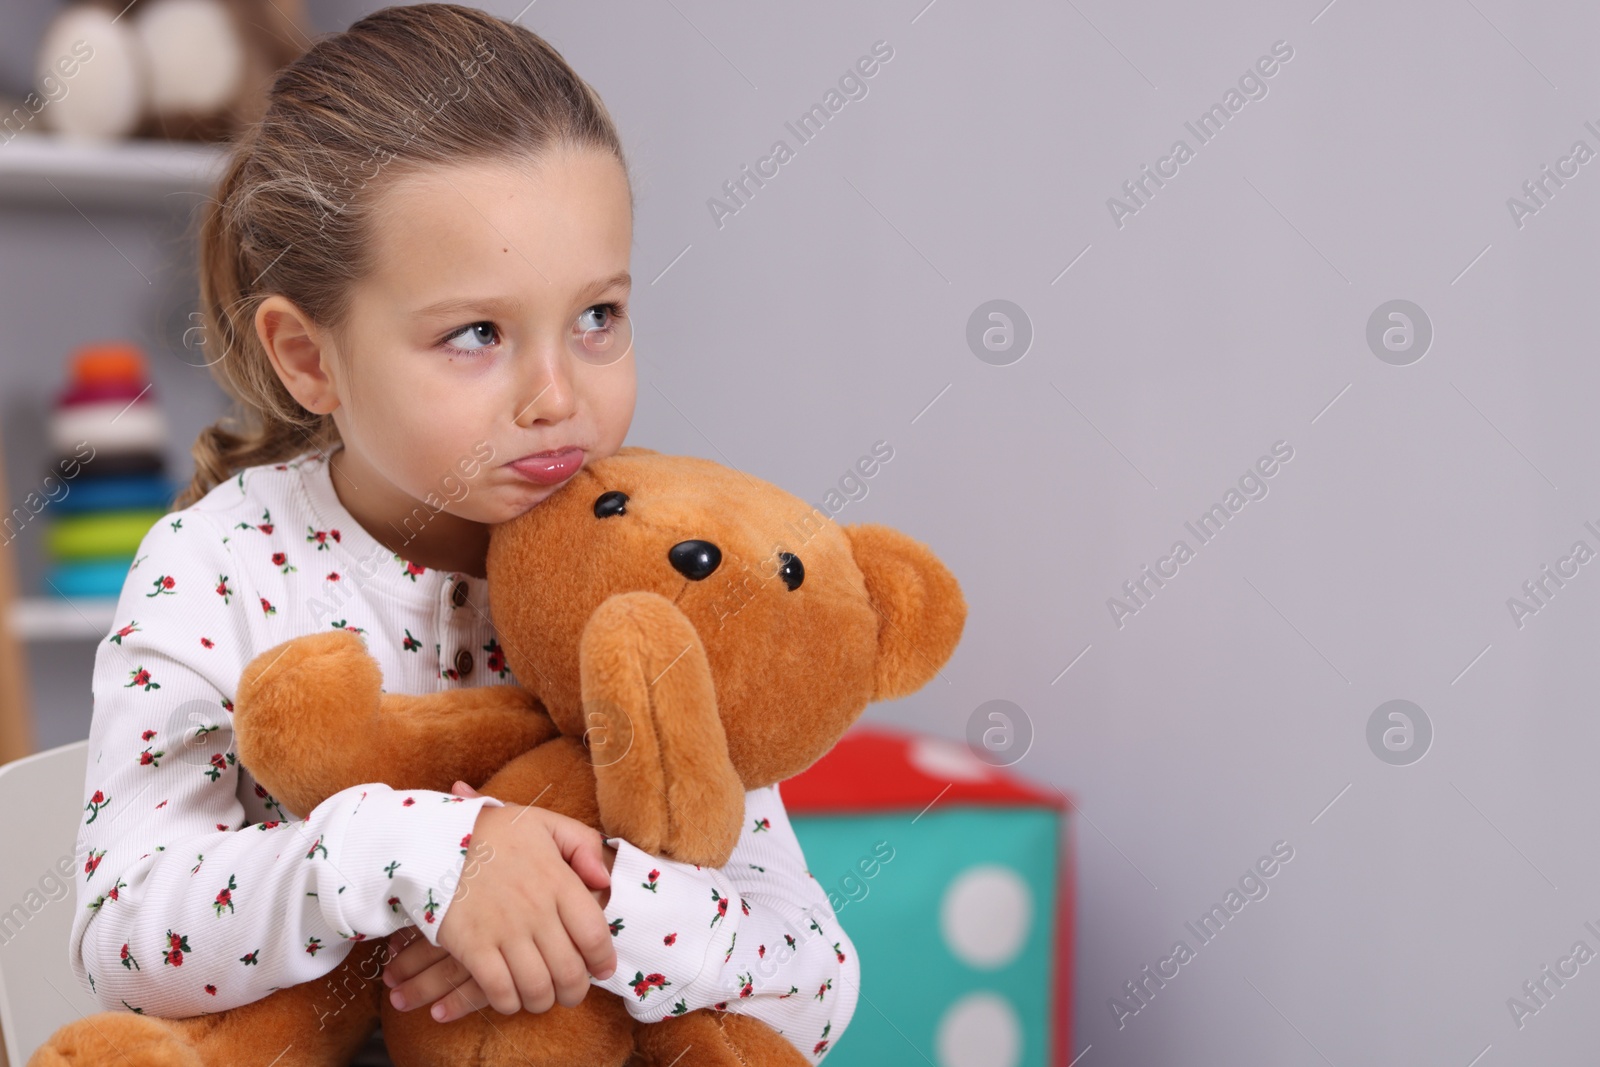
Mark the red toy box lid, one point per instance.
(873, 768)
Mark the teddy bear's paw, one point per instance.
(118, 1039)
(655, 735)
(315, 663)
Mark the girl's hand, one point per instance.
(553, 934)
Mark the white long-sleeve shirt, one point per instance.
(200, 892)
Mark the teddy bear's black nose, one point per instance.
(694, 559)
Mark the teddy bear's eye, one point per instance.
(793, 572)
(612, 503)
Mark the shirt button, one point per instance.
(463, 663)
(458, 595)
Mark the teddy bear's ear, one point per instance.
(920, 607)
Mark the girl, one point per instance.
(414, 278)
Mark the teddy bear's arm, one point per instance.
(663, 777)
(310, 719)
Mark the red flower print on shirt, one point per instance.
(206, 642)
(722, 907)
(394, 904)
(313, 945)
(250, 959)
(410, 644)
(267, 608)
(211, 989)
(747, 985)
(644, 983)
(117, 637)
(225, 898)
(151, 759)
(177, 945)
(650, 884)
(497, 658)
(670, 940)
(127, 959)
(219, 763)
(281, 561)
(141, 677)
(615, 926)
(333, 576)
(837, 952)
(430, 908)
(222, 588)
(92, 864)
(163, 585)
(265, 525)
(762, 824)
(112, 893)
(412, 569)
(96, 802)
(321, 537)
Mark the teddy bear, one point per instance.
(682, 632)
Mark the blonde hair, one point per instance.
(404, 88)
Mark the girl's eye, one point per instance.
(596, 318)
(602, 333)
(477, 336)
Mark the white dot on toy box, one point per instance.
(946, 761)
(985, 915)
(979, 1030)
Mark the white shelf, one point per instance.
(62, 618)
(37, 168)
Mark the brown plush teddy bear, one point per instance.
(683, 633)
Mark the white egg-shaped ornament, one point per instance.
(90, 73)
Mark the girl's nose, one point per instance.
(548, 386)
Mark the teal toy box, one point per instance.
(953, 879)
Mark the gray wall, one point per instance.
(1232, 710)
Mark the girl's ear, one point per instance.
(299, 354)
(920, 608)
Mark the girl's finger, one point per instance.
(586, 927)
(531, 975)
(461, 1001)
(569, 978)
(411, 961)
(430, 985)
(494, 978)
(583, 849)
